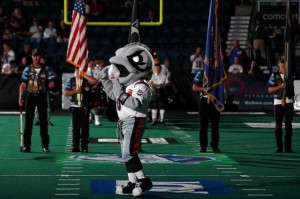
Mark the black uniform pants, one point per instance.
(207, 112)
(80, 122)
(286, 111)
(39, 101)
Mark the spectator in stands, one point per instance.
(156, 58)
(3, 19)
(63, 32)
(235, 68)
(197, 60)
(158, 84)
(164, 69)
(10, 68)
(259, 36)
(35, 32)
(7, 36)
(99, 62)
(95, 92)
(19, 24)
(237, 51)
(254, 68)
(127, 4)
(167, 68)
(7, 55)
(97, 10)
(50, 33)
(87, 8)
(26, 52)
(24, 63)
(271, 44)
(100, 65)
(30, 3)
(168, 65)
(151, 17)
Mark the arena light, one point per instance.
(116, 23)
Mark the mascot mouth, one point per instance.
(123, 71)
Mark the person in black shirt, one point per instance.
(283, 90)
(37, 79)
(78, 88)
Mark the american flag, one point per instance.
(77, 47)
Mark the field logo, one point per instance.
(145, 158)
(212, 187)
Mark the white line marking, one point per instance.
(72, 171)
(233, 113)
(232, 172)
(67, 189)
(10, 113)
(241, 180)
(245, 176)
(247, 185)
(261, 195)
(72, 167)
(68, 164)
(69, 184)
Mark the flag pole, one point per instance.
(287, 48)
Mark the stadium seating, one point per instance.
(184, 26)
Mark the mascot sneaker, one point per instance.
(142, 186)
(125, 189)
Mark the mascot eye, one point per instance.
(139, 60)
(136, 59)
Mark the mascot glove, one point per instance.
(117, 87)
(104, 74)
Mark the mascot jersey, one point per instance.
(140, 91)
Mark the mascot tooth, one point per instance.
(113, 72)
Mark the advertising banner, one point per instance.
(274, 12)
(248, 92)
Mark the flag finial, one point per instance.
(134, 33)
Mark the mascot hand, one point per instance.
(113, 72)
(117, 87)
(104, 73)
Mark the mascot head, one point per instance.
(133, 61)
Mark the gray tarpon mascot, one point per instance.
(125, 81)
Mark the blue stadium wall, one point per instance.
(243, 92)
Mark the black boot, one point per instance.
(279, 144)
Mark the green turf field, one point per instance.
(247, 166)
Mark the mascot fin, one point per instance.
(134, 33)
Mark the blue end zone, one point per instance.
(212, 187)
